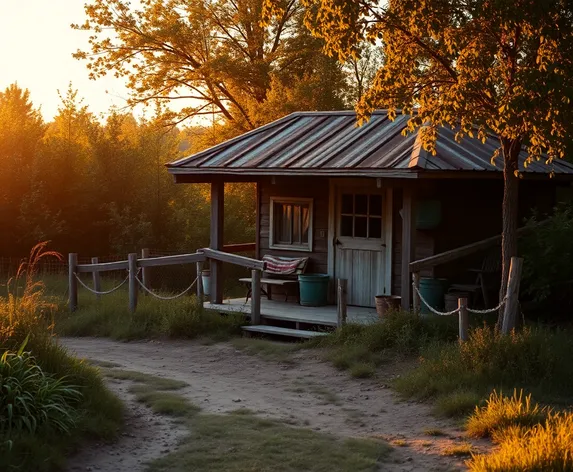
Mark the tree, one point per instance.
(501, 66)
(21, 132)
(212, 54)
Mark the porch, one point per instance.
(292, 314)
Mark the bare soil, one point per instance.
(306, 392)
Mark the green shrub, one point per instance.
(501, 412)
(531, 358)
(30, 400)
(544, 447)
(457, 403)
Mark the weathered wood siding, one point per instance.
(299, 187)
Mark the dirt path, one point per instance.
(307, 393)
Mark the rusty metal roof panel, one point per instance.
(331, 143)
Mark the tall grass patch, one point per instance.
(360, 348)
(530, 437)
(532, 358)
(184, 317)
(49, 399)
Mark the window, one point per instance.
(361, 216)
(291, 223)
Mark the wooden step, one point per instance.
(277, 331)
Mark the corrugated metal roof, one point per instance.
(330, 143)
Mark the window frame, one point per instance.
(291, 200)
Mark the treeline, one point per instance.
(100, 188)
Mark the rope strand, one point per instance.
(166, 298)
(96, 292)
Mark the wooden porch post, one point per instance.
(408, 245)
(217, 221)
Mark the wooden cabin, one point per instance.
(363, 203)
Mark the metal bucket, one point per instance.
(386, 304)
(205, 280)
(432, 290)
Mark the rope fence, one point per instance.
(161, 297)
(97, 292)
(457, 310)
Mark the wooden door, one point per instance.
(361, 244)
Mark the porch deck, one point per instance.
(290, 311)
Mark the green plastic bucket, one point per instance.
(313, 289)
(432, 290)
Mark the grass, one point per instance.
(524, 443)
(501, 412)
(26, 313)
(241, 442)
(269, 350)
(158, 383)
(180, 318)
(532, 359)
(165, 403)
(457, 403)
(361, 349)
(458, 450)
(434, 432)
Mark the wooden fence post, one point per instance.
(96, 279)
(341, 296)
(512, 301)
(256, 297)
(200, 281)
(72, 282)
(133, 286)
(416, 298)
(464, 318)
(145, 272)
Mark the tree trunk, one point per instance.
(510, 149)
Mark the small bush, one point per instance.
(544, 447)
(30, 400)
(362, 370)
(501, 412)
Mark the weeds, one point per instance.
(458, 450)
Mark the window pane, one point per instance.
(361, 204)
(305, 223)
(347, 205)
(375, 229)
(376, 205)
(360, 223)
(283, 217)
(346, 226)
(296, 224)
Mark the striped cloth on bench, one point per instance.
(282, 266)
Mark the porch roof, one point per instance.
(330, 144)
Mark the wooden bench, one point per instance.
(280, 272)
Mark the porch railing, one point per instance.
(136, 266)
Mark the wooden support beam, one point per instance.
(463, 319)
(72, 282)
(256, 297)
(102, 266)
(408, 245)
(200, 281)
(512, 302)
(145, 271)
(416, 298)
(341, 301)
(258, 193)
(133, 285)
(242, 261)
(96, 279)
(217, 222)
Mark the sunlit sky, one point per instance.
(36, 46)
